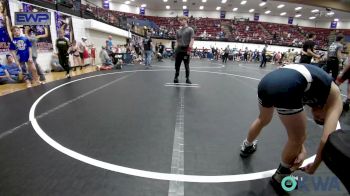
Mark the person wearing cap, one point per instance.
(288, 89)
(82, 48)
(184, 44)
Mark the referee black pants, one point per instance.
(263, 61)
(64, 61)
(179, 57)
(333, 66)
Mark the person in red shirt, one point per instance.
(93, 54)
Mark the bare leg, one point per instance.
(295, 125)
(296, 136)
(33, 71)
(263, 119)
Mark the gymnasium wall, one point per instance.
(238, 46)
(229, 15)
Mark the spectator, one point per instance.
(21, 47)
(74, 50)
(93, 54)
(308, 49)
(33, 38)
(105, 60)
(82, 50)
(88, 9)
(4, 75)
(147, 47)
(15, 70)
(55, 65)
(109, 45)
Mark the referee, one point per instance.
(184, 43)
(62, 46)
(334, 56)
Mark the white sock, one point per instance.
(246, 143)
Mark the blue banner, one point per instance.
(142, 11)
(105, 4)
(256, 17)
(41, 32)
(222, 14)
(186, 11)
(290, 20)
(334, 24)
(32, 18)
(64, 22)
(5, 27)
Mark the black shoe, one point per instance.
(248, 150)
(277, 187)
(346, 105)
(277, 178)
(176, 80)
(188, 81)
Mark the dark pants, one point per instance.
(224, 57)
(63, 59)
(263, 61)
(305, 59)
(333, 65)
(179, 57)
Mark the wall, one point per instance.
(99, 38)
(327, 24)
(238, 46)
(229, 15)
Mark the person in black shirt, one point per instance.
(62, 46)
(161, 48)
(288, 89)
(147, 47)
(264, 59)
(184, 43)
(308, 49)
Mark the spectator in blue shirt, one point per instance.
(4, 75)
(15, 70)
(20, 47)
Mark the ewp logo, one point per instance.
(33, 18)
(311, 183)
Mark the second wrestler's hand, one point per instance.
(299, 160)
(310, 168)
